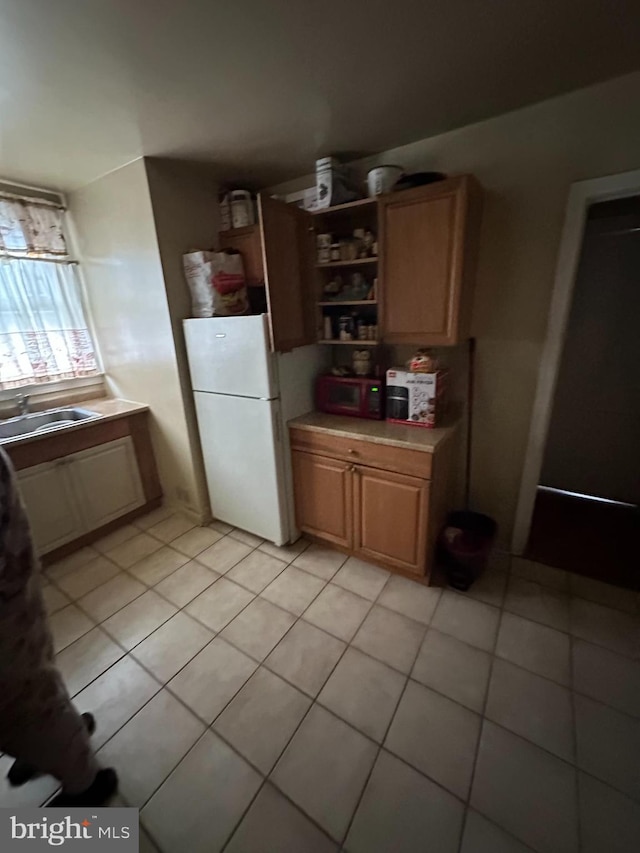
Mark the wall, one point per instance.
(526, 161)
(592, 445)
(121, 265)
(184, 200)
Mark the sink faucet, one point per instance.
(22, 402)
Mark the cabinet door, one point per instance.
(427, 258)
(52, 509)
(106, 481)
(391, 515)
(247, 241)
(288, 252)
(323, 497)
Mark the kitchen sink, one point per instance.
(39, 422)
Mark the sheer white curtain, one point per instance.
(43, 330)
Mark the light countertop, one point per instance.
(379, 432)
(107, 408)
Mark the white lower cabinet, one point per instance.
(80, 492)
(52, 508)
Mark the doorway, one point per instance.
(584, 488)
(589, 489)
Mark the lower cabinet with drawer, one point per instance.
(385, 506)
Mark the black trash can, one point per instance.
(465, 543)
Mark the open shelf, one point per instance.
(331, 303)
(350, 205)
(358, 262)
(352, 343)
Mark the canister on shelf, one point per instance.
(335, 251)
(241, 208)
(345, 326)
(328, 328)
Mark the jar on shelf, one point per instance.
(345, 327)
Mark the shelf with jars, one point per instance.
(347, 274)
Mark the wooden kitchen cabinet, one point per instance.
(280, 251)
(390, 518)
(248, 242)
(427, 244)
(380, 502)
(324, 489)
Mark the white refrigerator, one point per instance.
(244, 395)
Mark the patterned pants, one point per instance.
(38, 723)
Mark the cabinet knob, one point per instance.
(351, 450)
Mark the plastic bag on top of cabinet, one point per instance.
(217, 283)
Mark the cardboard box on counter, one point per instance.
(418, 399)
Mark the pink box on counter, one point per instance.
(417, 399)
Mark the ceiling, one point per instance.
(260, 89)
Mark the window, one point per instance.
(44, 335)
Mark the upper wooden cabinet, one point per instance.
(288, 249)
(427, 245)
(248, 242)
(279, 252)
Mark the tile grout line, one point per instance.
(483, 717)
(391, 718)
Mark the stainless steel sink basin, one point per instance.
(39, 422)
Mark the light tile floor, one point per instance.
(260, 699)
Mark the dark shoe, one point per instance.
(102, 789)
(21, 772)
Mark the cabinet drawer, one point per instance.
(398, 459)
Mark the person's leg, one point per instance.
(57, 743)
(22, 771)
(52, 737)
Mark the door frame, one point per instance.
(581, 195)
